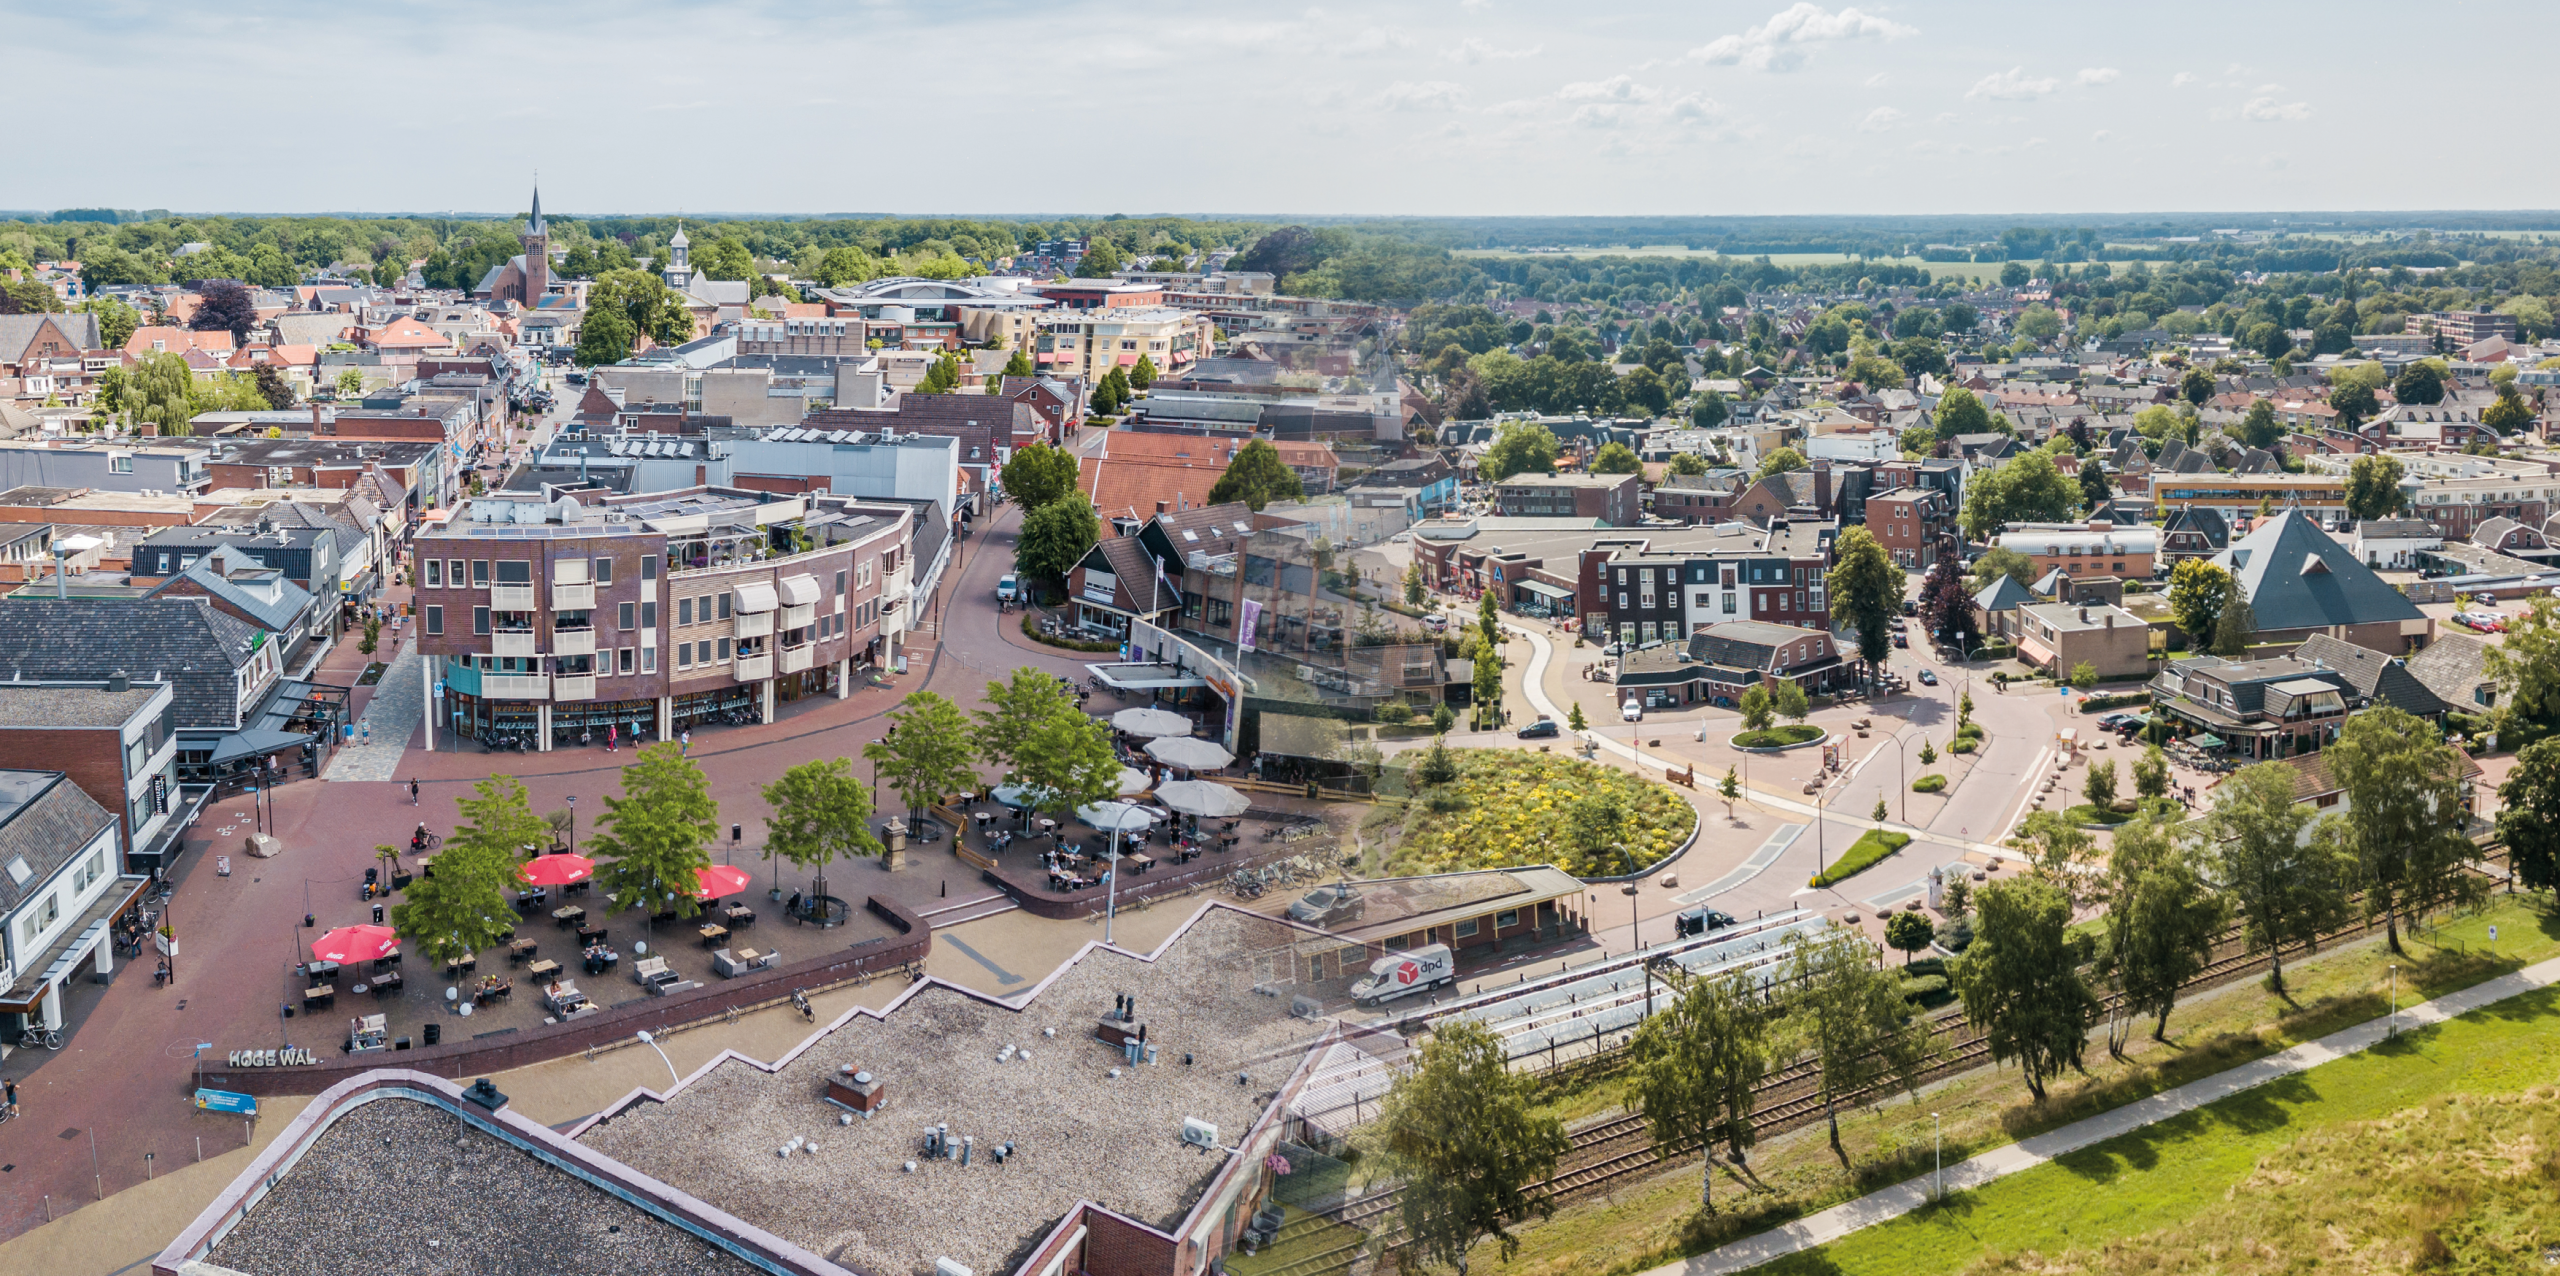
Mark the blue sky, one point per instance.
(1385, 107)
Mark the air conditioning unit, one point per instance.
(946, 1267)
(1199, 1133)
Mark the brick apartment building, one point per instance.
(1614, 499)
(1913, 524)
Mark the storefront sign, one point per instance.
(226, 1101)
(290, 1057)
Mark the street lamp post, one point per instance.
(1940, 1129)
(652, 1043)
(573, 824)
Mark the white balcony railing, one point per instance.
(511, 598)
(754, 668)
(568, 597)
(515, 686)
(755, 624)
(795, 659)
(513, 643)
(573, 686)
(800, 617)
(573, 642)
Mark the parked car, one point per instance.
(1542, 729)
(1008, 587)
(1632, 710)
(1698, 921)
(1436, 623)
(1929, 677)
(1902, 640)
(1910, 607)
(2114, 721)
(1328, 906)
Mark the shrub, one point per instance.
(1969, 731)
(1395, 712)
(2114, 700)
(1031, 630)
(1926, 966)
(1929, 784)
(1872, 845)
(1925, 989)
(1966, 745)
(1775, 737)
(1516, 808)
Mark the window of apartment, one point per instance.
(648, 567)
(479, 573)
(435, 621)
(684, 611)
(1728, 604)
(725, 605)
(724, 648)
(1467, 928)
(1705, 601)
(840, 584)
(1622, 600)
(684, 655)
(649, 615)
(2325, 800)
(44, 917)
(479, 620)
(435, 573)
(648, 660)
(453, 573)
(1506, 919)
(623, 615)
(120, 462)
(626, 660)
(604, 571)
(89, 872)
(515, 571)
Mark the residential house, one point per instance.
(1717, 664)
(2059, 637)
(2085, 549)
(118, 740)
(59, 892)
(2455, 667)
(2393, 544)
(2262, 709)
(2300, 581)
(1913, 524)
(2377, 678)
(1699, 498)
(2193, 531)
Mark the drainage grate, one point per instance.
(72, 1133)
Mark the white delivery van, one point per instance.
(1413, 970)
(1008, 587)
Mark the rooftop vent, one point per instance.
(1199, 1133)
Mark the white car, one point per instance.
(1008, 587)
(1632, 710)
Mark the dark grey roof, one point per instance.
(45, 820)
(183, 640)
(2374, 675)
(2454, 667)
(2200, 520)
(212, 574)
(2297, 577)
(40, 705)
(2004, 594)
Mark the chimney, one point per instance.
(1160, 507)
(2111, 619)
(1822, 484)
(2084, 615)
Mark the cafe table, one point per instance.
(568, 915)
(713, 934)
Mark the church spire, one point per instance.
(535, 225)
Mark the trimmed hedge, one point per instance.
(1872, 845)
(1929, 784)
(1966, 745)
(1928, 990)
(1031, 630)
(1776, 737)
(2117, 700)
(1969, 731)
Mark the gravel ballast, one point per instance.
(1079, 1133)
(391, 1188)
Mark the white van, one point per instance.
(1008, 588)
(1413, 970)
(1632, 710)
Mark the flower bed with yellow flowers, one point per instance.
(1508, 809)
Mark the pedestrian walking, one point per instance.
(685, 741)
(413, 790)
(364, 730)
(11, 1087)
(610, 732)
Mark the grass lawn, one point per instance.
(2088, 814)
(2154, 1188)
(1640, 1224)
(1794, 733)
(1872, 845)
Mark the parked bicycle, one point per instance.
(49, 1038)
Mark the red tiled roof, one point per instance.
(147, 339)
(1121, 487)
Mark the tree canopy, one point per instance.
(2025, 488)
(1038, 475)
(1519, 447)
(1460, 1127)
(1257, 476)
(1055, 536)
(657, 833)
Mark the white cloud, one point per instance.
(2182, 79)
(1788, 39)
(1423, 95)
(1878, 80)
(1882, 119)
(1617, 88)
(1471, 51)
(2012, 85)
(2098, 75)
(2100, 136)
(2267, 108)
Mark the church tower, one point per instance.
(679, 272)
(537, 254)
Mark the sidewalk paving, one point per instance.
(390, 720)
(2026, 1154)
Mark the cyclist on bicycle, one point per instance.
(418, 840)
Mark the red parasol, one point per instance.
(719, 880)
(557, 870)
(355, 943)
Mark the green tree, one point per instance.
(1102, 259)
(2373, 486)
(1019, 366)
(2039, 323)
(943, 377)
(162, 392)
(1710, 411)
(2353, 401)
(657, 834)
(1730, 789)
(1069, 758)
(2100, 787)
(2198, 591)
(1781, 461)
(2084, 675)
(1758, 710)
(351, 383)
(2236, 627)
(468, 903)
(1695, 1067)
(1960, 411)
(2025, 488)
(2529, 815)
(1016, 709)
(116, 320)
(1865, 589)
(2285, 892)
(644, 300)
(2021, 981)
(1519, 447)
(2151, 774)
(1437, 766)
(926, 755)
(1907, 932)
(1054, 538)
(1461, 1131)
(2259, 428)
(1574, 720)
(1687, 464)
(1615, 458)
(2508, 413)
(2526, 667)
(372, 639)
(1999, 561)
(1143, 373)
(724, 258)
(1038, 475)
(2196, 386)
(2405, 813)
(1257, 476)
(2421, 382)
(604, 336)
(2094, 488)
(1850, 1017)
(821, 813)
(1414, 586)
(2161, 923)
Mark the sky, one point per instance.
(1386, 107)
